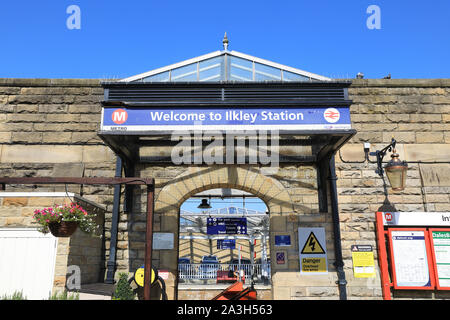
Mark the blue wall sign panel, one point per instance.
(283, 240)
(226, 225)
(178, 119)
(226, 244)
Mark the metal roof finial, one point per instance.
(225, 41)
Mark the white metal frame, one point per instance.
(199, 271)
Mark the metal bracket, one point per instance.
(380, 155)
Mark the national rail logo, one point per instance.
(332, 115)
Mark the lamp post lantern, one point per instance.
(395, 168)
(204, 204)
(396, 172)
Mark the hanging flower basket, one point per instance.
(63, 221)
(63, 228)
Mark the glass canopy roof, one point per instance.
(230, 66)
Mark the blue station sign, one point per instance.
(252, 118)
(226, 226)
(226, 244)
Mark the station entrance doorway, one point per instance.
(223, 238)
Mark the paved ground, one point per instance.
(96, 291)
(89, 296)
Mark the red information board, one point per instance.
(413, 250)
(412, 265)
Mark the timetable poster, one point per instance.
(410, 259)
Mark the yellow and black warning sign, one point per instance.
(312, 250)
(312, 245)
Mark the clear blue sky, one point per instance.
(122, 38)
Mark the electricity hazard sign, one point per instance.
(312, 245)
(313, 251)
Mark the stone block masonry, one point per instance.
(414, 112)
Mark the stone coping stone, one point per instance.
(39, 82)
(414, 83)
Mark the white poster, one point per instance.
(410, 258)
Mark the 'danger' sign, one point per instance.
(150, 119)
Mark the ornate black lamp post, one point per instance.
(395, 168)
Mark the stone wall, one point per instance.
(416, 113)
(48, 127)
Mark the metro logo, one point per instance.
(388, 216)
(119, 116)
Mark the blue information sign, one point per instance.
(226, 225)
(283, 240)
(290, 118)
(226, 244)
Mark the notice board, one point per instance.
(413, 250)
(411, 259)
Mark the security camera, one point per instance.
(366, 150)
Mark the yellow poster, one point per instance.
(363, 261)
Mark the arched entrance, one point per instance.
(197, 179)
(224, 235)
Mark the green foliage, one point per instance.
(65, 296)
(17, 295)
(66, 212)
(123, 289)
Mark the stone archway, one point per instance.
(197, 179)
